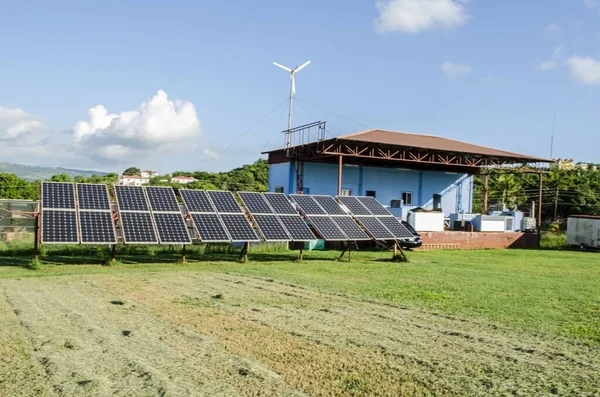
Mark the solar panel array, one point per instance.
(269, 211)
(137, 226)
(59, 223)
(96, 224)
(217, 216)
(170, 225)
(328, 218)
(73, 213)
(375, 218)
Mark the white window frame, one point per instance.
(411, 198)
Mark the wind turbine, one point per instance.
(292, 73)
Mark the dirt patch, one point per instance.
(330, 344)
(88, 346)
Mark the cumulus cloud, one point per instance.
(590, 3)
(545, 66)
(209, 154)
(16, 124)
(159, 125)
(452, 70)
(414, 16)
(586, 70)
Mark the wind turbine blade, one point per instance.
(283, 67)
(293, 85)
(299, 68)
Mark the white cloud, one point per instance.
(413, 16)
(553, 28)
(159, 125)
(558, 50)
(452, 70)
(209, 154)
(16, 124)
(590, 3)
(545, 66)
(585, 70)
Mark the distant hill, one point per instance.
(32, 172)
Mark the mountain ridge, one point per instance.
(34, 172)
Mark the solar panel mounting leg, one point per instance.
(244, 253)
(113, 253)
(183, 254)
(36, 238)
(300, 255)
(398, 249)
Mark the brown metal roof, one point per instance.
(431, 142)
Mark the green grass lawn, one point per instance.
(550, 292)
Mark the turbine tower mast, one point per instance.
(292, 73)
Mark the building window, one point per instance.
(370, 193)
(346, 192)
(395, 204)
(407, 198)
(278, 189)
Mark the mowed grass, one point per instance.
(548, 292)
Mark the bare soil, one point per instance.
(185, 333)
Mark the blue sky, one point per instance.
(487, 72)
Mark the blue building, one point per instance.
(403, 171)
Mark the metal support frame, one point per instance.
(340, 170)
(398, 249)
(347, 248)
(300, 255)
(183, 258)
(244, 254)
(36, 238)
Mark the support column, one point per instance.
(339, 184)
(486, 191)
(36, 238)
(539, 210)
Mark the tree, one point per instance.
(13, 187)
(61, 178)
(132, 171)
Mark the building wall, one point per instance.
(388, 184)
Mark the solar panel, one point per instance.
(375, 228)
(255, 202)
(280, 203)
(353, 205)
(350, 228)
(224, 201)
(92, 197)
(238, 227)
(394, 226)
(329, 204)
(171, 228)
(131, 198)
(58, 195)
(297, 228)
(271, 228)
(373, 205)
(210, 228)
(97, 227)
(59, 227)
(308, 204)
(162, 199)
(137, 228)
(196, 200)
(327, 228)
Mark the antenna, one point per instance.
(292, 73)
(552, 137)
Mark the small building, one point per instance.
(133, 180)
(148, 174)
(183, 179)
(402, 170)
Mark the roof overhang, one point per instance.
(458, 157)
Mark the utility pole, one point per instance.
(486, 179)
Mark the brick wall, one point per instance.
(477, 240)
